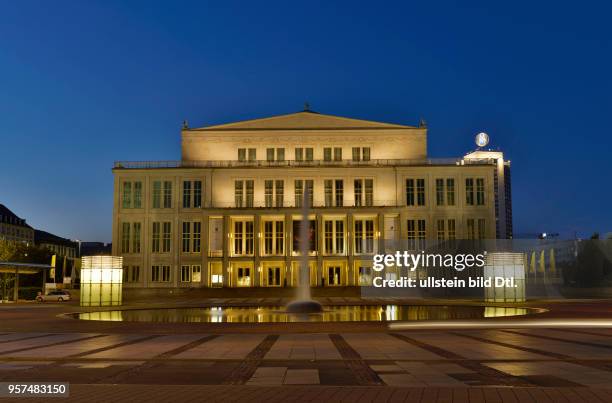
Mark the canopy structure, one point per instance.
(18, 268)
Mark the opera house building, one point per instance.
(229, 212)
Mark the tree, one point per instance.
(22, 252)
(7, 250)
(589, 271)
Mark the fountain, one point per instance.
(304, 302)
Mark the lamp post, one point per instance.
(73, 272)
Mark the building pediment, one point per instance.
(305, 120)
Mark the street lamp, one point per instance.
(79, 242)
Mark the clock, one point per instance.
(482, 139)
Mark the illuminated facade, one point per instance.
(228, 213)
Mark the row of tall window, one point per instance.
(446, 229)
(161, 237)
(303, 154)
(334, 235)
(445, 192)
(162, 194)
(131, 274)
(274, 190)
(244, 237)
(161, 274)
(332, 275)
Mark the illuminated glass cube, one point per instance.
(101, 280)
(509, 270)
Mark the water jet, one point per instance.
(304, 302)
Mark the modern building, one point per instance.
(95, 248)
(228, 213)
(14, 228)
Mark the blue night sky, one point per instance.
(78, 78)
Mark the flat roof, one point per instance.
(302, 164)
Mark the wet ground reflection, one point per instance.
(347, 313)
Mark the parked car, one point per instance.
(54, 296)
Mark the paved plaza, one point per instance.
(127, 361)
(570, 360)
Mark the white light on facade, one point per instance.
(101, 280)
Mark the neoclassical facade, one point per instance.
(228, 214)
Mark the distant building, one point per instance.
(96, 248)
(58, 245)
(14, 228)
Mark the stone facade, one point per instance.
(227, 214)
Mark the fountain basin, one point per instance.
(310, 306)
(340, 313)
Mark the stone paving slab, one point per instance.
(76, 347)
(232, 346)
(19, 336)
(428, 374)
(301, 377)
(570, 336)
(148, 348)
(303, 347)
(41, 341)
(268, 376)
(380, 346)
(568, 371)
(560, 347)
(472, 349)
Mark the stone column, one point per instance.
(379, 244)
(226, 251)
(204, 245)
(350, 248)
(288, 250)
(320, 240)
(257, 239)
